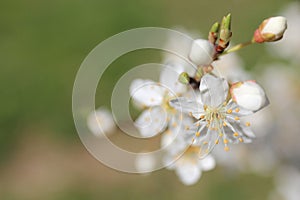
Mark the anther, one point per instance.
(235, 134)
(229, 111)
(225, 141)
(248, 124)
(237, 118)
(226, 148)
(237, 110)
(197, 133)
(241, 140)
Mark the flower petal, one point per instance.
(147, 92)
(188, 172)
(208, 163)
(208, 140)
(101, 122)
(190, 106)
(169, 78)
(152, 121)
(213, 90)
(243, 131)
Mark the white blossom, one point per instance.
(101, 122)
(218, 117)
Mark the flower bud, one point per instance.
(270, 30)
(202, 52)
(249, 95)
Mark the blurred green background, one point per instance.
(42, 44)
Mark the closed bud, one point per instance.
(184, 78)
(202, 52)
(213, 33)
(270, 30)
(249, 95)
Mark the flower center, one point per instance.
(214, 116)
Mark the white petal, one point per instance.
(213, 90)
(189, 173)
(275, 25)
(151, 121)
(207, 140)
(185, 105)
(208, 163)
(147, 92)
(101, 122)
(244, 131)
(169, 78)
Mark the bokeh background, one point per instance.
(42, 44)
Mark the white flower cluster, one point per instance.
(196, 107)
(196, 111)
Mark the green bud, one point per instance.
(226, 22)
(225, 33)
(215, 27)
(213, 33)
(184, 78)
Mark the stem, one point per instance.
(237, 47)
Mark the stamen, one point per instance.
(241, 140)
(202, 116)
(225, 141)
(248, 124)
(229, 111)
(221, 134)
(187, 128)
(224, 124)
(237, 118)
(226, 148)
(217, 141)
(237, 110)
(198, 124)
(197, 133)
(205, 142)
(205, 107)
(235, 134)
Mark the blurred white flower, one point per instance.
(217, 118)
(289, 46)
(188, 166)
(155, 97)
(101, 122)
